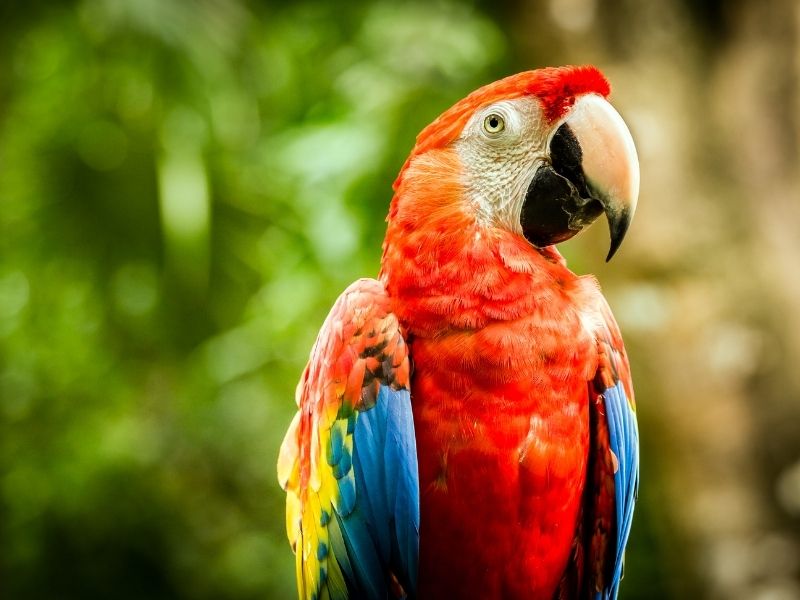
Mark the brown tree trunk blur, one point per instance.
(707, 287)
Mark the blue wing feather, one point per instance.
(402, 479)
(624, 442)
(383, 529)
(348, 461)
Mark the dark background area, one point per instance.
(186, 187)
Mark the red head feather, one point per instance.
(555, 87)
(430, 240)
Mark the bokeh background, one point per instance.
(185, 188)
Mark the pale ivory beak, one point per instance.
(609, 161)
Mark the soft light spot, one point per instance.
(329, 151)
(184, 195)
(184, 198)
(643, 307)
(130, 439)
(238, 351)
(733, 349)
(14, 294)
(788, 489)
(334, 233)
(418, 41)
(573, 15)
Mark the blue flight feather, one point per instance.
(401, 442)
(624, 442)
(366, 564)
(381, 531)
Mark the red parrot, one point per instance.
(466, 424)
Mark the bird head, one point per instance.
(541, 154)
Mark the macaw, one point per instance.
(466, 424)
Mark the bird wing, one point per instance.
(614, 461)
(349, 461)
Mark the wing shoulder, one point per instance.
(348, 462)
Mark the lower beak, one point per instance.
(593, 169)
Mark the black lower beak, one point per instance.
(558, 203)
(554, 210)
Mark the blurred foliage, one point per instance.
(185, 188)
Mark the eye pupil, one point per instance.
(494, 123)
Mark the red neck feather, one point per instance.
(447, 271)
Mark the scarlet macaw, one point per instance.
(504, 463)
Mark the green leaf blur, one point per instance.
(186, 187)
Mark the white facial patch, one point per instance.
(501, 147)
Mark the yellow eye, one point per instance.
(494, 123)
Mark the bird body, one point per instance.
(504, 467)
(466, 424)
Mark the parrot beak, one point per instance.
(593, 169)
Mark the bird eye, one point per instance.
(494, 124)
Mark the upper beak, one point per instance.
(609, 161)
(593, 168)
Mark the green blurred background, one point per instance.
(186, 186)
